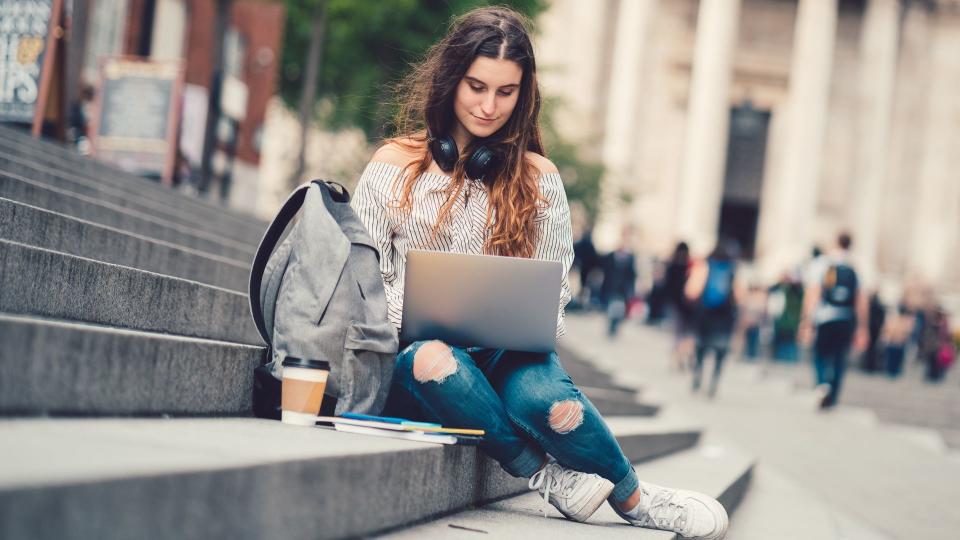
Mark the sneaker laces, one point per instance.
(664, 513)
(554, 479)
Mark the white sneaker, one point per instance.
(687, 513)
(575, 494)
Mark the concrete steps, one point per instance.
(41, 228)
(89, 369)
(609, 397)
(53, 154)
(719, 471)
(70, 368)
(35, 281)
(246, 478)
(587, 374)
(26, 191)
(209, 220)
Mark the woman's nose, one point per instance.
(489, 105)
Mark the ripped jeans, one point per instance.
(525, 402)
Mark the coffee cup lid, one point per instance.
(292, 361)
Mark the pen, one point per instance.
(452, 431)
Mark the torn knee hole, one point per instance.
(566, 416)
(433, 362)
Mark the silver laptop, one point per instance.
(481, 301)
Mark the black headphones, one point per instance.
(482, 162)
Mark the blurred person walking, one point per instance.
(872, 362)
(586, 261)
(656, 296)
(619, 281)
(897, 329)
(834, 317)
(80, 115)
(711, 288)
(681, 310)
(750, 321)
(785, 305)
(937, 349)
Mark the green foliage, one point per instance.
(368, 47)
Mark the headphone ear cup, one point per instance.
(482, 163)
(445, 152)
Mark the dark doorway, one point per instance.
(743, 180)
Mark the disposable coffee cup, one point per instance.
(302, 392)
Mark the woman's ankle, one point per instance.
(630, 502)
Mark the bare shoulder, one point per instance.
(544, 165)
(398, 153)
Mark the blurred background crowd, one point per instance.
(911, 332)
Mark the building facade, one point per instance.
(774, 122)
(185, 30)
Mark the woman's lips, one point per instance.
(484, 121)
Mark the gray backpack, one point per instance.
(319, 295)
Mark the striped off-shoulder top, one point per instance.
(394, 232)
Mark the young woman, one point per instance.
(467, 174)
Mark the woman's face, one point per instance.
(487, 95)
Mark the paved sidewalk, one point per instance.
(864, 479)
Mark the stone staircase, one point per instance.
(126, 361)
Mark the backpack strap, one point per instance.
(272, 237)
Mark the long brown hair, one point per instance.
(426, 106)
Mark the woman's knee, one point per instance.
(561, 413)
(565, 415)
(428, 361)
(541, 394)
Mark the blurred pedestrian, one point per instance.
(937, 348)
(785, 305)
(711, 288)
(897, 329)
(80, 115)
(872, 361)
(586, 261)
(619, 281)
(656, 296)
(751, 317)
(183, 177)
(834, 317)
(681, 310)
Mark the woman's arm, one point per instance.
(697, 281)
(370, 201)
(555, 242)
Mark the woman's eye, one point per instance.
(476, 89)
(505, 93)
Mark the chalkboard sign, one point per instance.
(24, 26)
(136, 117)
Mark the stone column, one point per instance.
(708, 119)
(906, 139)
(625, 94)
(936, 217)
(570, 55)
(170, 27)
(878, 62)
(802, 144)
